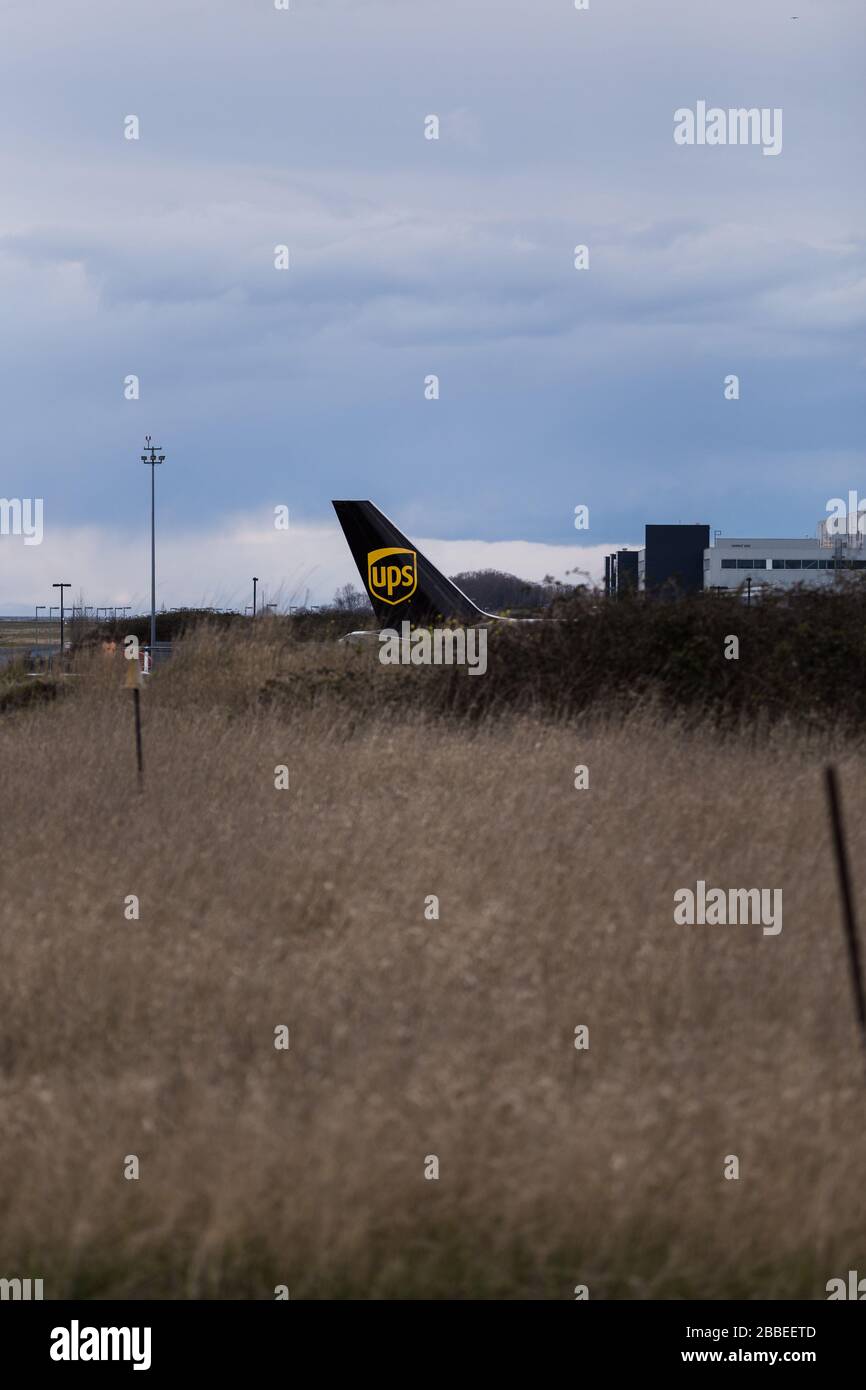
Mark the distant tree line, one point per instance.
(498, 592)
(493, 590)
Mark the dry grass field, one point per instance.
(412, 1037)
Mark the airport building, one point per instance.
(683, 559)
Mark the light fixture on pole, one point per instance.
(155, 457)
(61, 587)
(255, 582)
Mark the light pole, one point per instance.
(61, 587)
(38, 606)
(155, 458)
(255, 582)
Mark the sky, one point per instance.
(410, 257)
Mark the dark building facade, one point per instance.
(621, 571)
(674, 558)
(671, 562)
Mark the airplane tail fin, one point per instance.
(401, 583)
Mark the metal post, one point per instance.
(846, 894)
(255, 582)
(136, 699)
(155, 458)
(61, 587)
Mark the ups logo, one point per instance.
(392, 573)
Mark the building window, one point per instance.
(729, 564)
(793, 564)
(810, 564)
(778, 564)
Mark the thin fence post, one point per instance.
(133, 681)
(847, 896)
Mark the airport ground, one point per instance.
(18, 636)
(25, 632)
(413, 1036)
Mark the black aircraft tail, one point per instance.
(400, 581)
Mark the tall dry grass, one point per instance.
(412, 1037)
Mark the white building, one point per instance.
(680, 559)
(781, 562)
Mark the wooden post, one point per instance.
(133, 683)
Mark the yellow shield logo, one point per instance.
(392, 574)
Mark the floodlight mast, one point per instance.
(156, 457)
(61, 587)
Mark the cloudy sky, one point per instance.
(411, 257)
